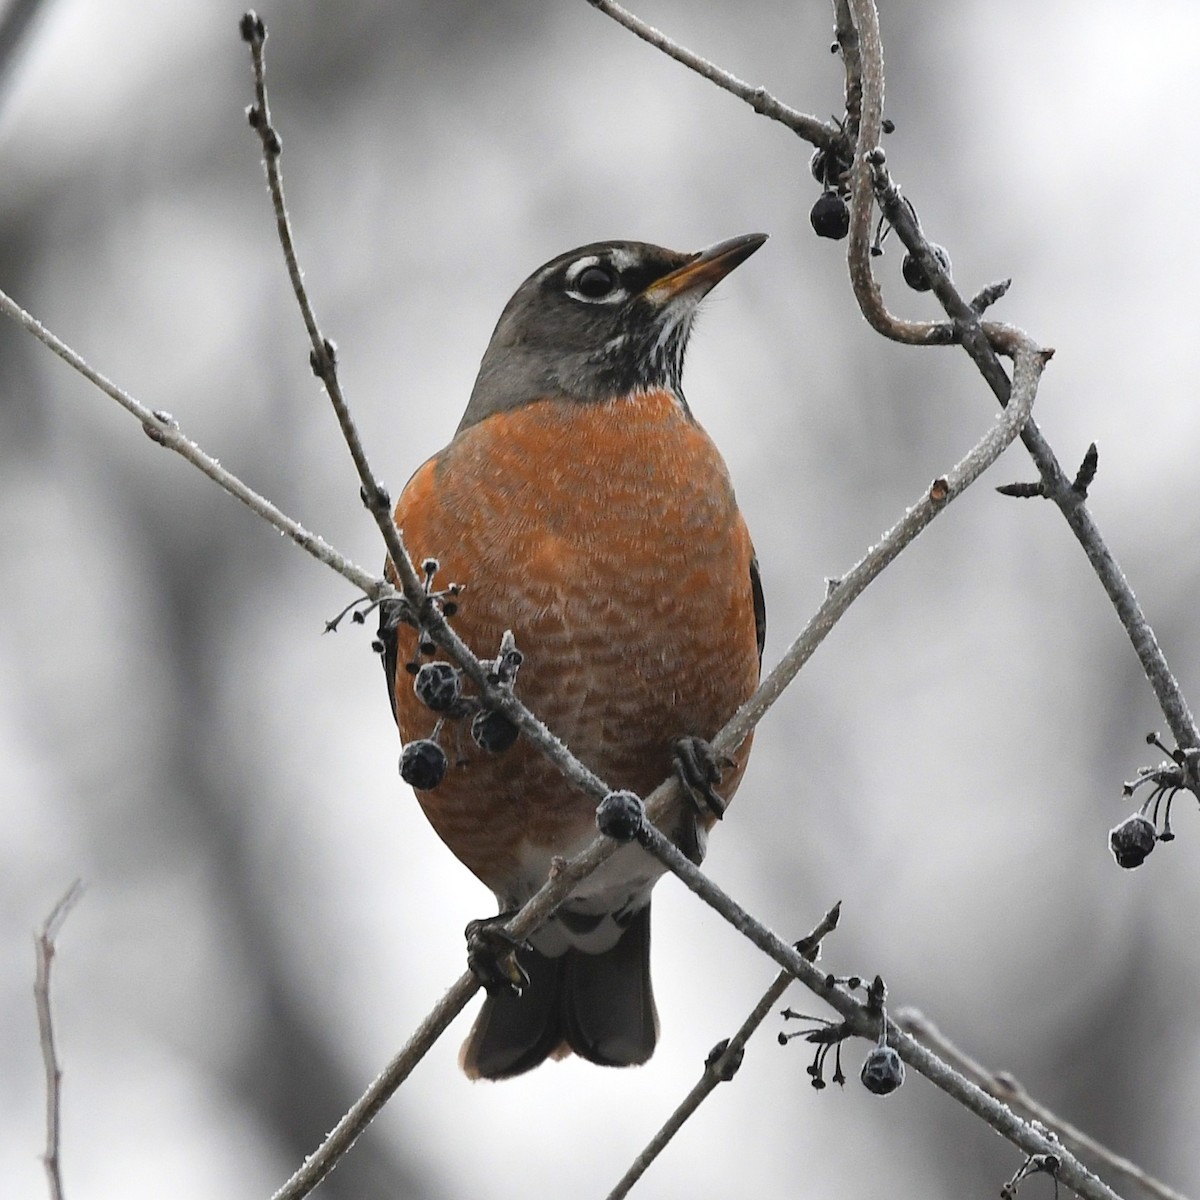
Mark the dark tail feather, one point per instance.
(601, 1006)
(512, 1034)
(607, 1006)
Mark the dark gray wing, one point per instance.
(760, 606)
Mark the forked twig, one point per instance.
(44, 945)
(857, 25)
(725, 1058)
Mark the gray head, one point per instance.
(598, 322)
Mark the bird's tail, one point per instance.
(600, 1006)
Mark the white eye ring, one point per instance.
(594, 281)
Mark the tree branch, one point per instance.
(817, 132)
(44, 947)
(162, 428)
(725, 1058)
(982, 340)
(1008, 1090)
(857, 30)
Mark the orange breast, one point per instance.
(607, 538)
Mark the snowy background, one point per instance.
(267, 915)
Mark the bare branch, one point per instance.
(1007, 1089)
(323, 359)
(982, 340)
(862, 1021)
(44, 948)
(1029, 368)
(323, 356)
(162, 428)
(725, 1058)
(345, 1133)
(817, 132)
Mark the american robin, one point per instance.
(581, 506)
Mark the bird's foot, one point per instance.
(699, 768)
(492, 955)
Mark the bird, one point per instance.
(581, 506)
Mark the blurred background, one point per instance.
(267, 915)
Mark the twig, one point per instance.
(323, 359)
(862, 1021)
(44, 947)
(862, 53)
(817, 132)
(1028, 371)
(982, 339)
(725, 1059)
(162, 428)
(1009, 1090)
(346, 1132)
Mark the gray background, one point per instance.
(267, 915)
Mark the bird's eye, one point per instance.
(595, 282)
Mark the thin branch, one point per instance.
(862, 1021)
(1029, 368)
(162, 428)
(857, 29)
(44, 948)
(725, 1059)
(1008, 1090)
(817, 132)
(323, 359)
(346, 1132)
(982, 339)
(323, 356)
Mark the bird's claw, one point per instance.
(492, 956)
(699, 768)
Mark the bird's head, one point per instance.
(600, 321)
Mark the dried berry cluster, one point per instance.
(830, 215)
(882, 1070)
(439, 685)
(1134, 838)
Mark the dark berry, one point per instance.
(830, 217)
(882, 1071)
(423, 764)
(438, 686)
(1131, 841)
(493, 731)
(914, 273)
(620, 816)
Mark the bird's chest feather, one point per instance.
(607, 538)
